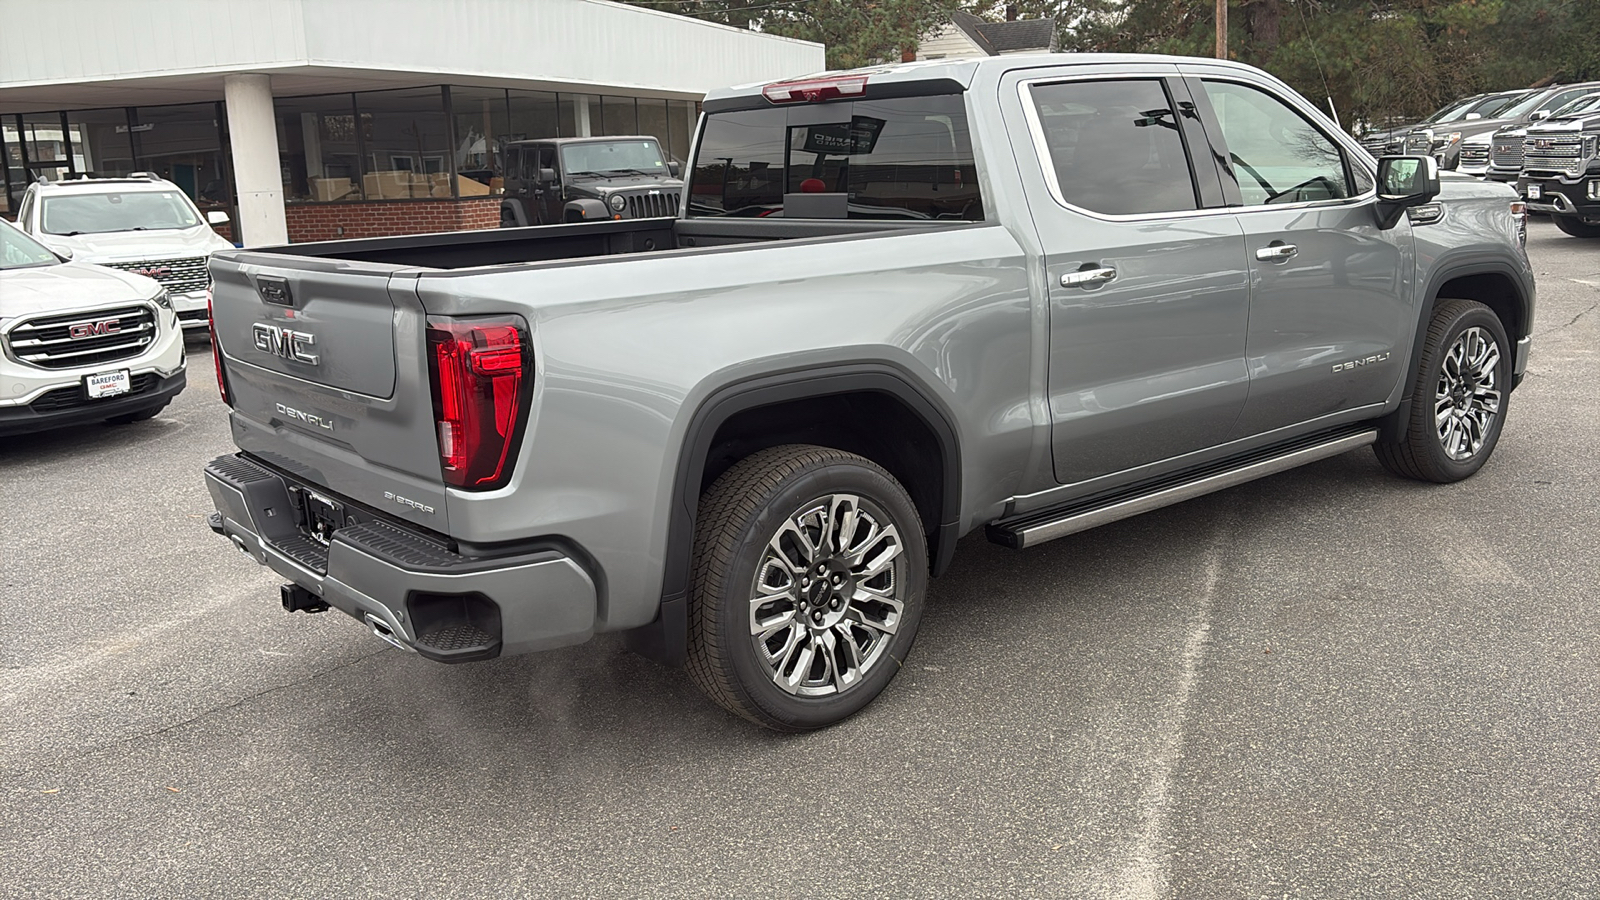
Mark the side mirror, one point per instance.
(217, 217)
(674, 169)
(1540, 114)
(64, 253)
(1474, 115)
(547, 175)
(1404, 182)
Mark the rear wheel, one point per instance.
(1458, 399)
(809, 572)
(1577, 227)
(140, 416)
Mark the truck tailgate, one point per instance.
(327, 372)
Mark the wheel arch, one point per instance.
(1496, 283)
(876, 410)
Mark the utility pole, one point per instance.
(1222, 29)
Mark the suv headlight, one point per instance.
(618, 202)
(163, 299)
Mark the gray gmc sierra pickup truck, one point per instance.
(1029, 294)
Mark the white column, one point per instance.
(580, 109)
(256, 175)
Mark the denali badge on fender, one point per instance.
(1365, 361)
(284, 342)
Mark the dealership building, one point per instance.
(318, 119)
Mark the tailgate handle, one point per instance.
(274, 290)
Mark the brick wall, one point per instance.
(336, 221)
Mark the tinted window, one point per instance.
(1276, 155)
(903, 158)
(1565, 97)
(1115, 146)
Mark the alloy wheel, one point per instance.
(1467, 398)
(826, 599)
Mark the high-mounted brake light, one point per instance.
(479, 369)
(216, 351)
(816, 90)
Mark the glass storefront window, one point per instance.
(653, 121)
(183, 144)
(102, 144)
(44, 142)
(533, 115)
(406, 146)
(482, 123)
(681, 119)
(16, 178)
(318, 152)
(618, 115)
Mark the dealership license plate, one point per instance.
(1535, 192)
(107, 384)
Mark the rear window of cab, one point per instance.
(898, 158)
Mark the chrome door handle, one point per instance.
(1277, 253)
(1088, 277)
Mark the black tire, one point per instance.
(1576, 227)
(1422, 453)
(140, 416)
(739, 517)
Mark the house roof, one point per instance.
(995, 38)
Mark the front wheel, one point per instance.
(809, 572)
(1458, 399)
(1577, 227)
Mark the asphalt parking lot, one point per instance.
(1330, 683)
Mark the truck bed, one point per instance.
(550, 243)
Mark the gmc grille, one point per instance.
(1558, 154)
(652, 206)
(180, 276)
(1507, 153)
(47, 341)
(1418, 144)
(1472, 154)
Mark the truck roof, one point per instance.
(965, 69)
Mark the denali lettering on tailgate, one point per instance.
(312, 419)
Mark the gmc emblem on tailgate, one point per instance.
(284, 342)
(80, 330)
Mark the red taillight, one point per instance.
(481, 390)
(816, 90)
(216, 351)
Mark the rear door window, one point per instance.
(1115, 146)
(900, 158)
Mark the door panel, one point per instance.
(1330, 291)
(1146, 351)
(1149, 366)
(1323, 323)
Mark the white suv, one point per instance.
(141, 224)
(81, 343)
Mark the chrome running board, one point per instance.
(1046, 525)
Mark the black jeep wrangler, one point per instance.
(559, 180)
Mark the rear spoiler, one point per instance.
(922, 87)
